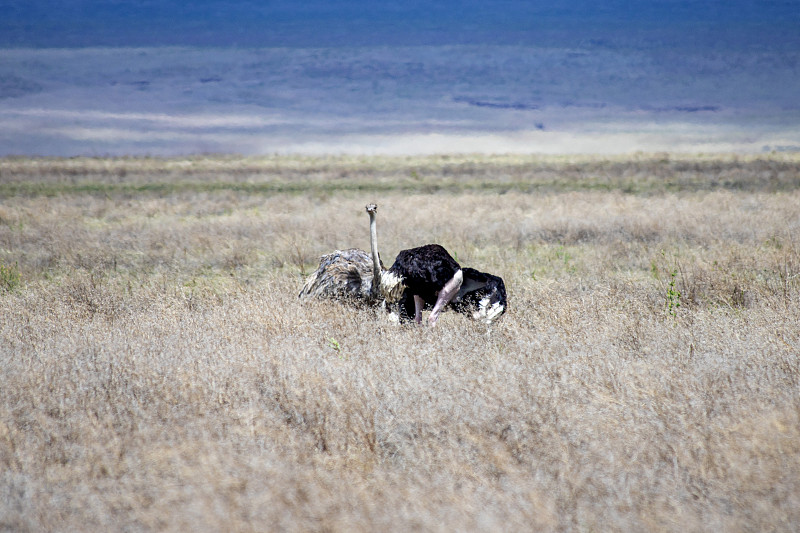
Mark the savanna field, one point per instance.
(159, 373)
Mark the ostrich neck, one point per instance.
(373, 241)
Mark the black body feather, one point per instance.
(424, 271)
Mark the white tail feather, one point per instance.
(488, 313)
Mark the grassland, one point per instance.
(157, 371)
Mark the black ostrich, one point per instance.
(427, 274)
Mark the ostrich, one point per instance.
(426, 274)
(429, 276)
(420, 277)
(350, 275)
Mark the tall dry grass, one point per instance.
(159, 373)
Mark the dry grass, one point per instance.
(159, 373)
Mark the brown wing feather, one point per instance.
(342, 274)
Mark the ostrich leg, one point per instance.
(447, 293)
(419, 304)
